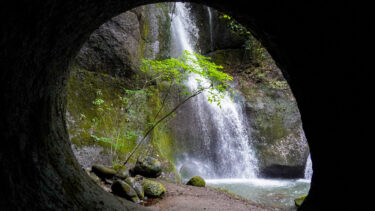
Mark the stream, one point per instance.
(277, 193)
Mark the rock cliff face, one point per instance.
(272, 112)
(116, 49)
(103, 126)
(117, 46)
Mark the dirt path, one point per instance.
(183, 197)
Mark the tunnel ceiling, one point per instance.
(319, 46)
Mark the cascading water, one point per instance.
(215, 142)
(222, 135)
(211, 28)
(308, 169)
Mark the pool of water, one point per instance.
(277, 193)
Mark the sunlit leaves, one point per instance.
(177, 70)
(98, 101)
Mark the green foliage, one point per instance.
(116, 132)
(257, 52)
(235, 26)
(116, 117)
(175, 71)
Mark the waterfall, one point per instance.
(210, 23)
(223, 145)
(308, 168)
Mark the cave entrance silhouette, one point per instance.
(309, 41)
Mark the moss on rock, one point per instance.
(103, 172)
(121, 171)
(197, 181)
(122, 189)
(148, 167)
(153, 189)
(136, 186)
(298, 201)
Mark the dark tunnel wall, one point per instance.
(320, 48)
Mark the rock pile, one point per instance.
(130, 183)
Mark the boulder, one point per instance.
(196, 181)
(92, 175)
(122, 189)
(121, 171)
(139, 178)
(148, 167)
(103, 172)
(298, 201)
(153, 189)
(136, 186)
(112, 48)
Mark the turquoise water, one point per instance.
(277, 193)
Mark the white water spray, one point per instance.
(226, 151)
(308, 169)
(211, 28)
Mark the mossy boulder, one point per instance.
(122, 189)
(197, 181)
(148, 167)
(122, 171)
(136, 186)
(153, 189)
(103, 172)
(298, 201)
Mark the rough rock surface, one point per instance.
(113, 48)
(123, 189)
(152, 189)
(103, 172)
(148, 167)
(272, 113)
(117, 46)
(136, 186)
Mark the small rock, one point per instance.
(94, 177)
(123, 174)
(139, 178)
(148, 167)
(196, 181)
(298, 201)
(136, 186)
(122, 189)
(108, 181)
(152, 189)
(122, 171)
(103, 172)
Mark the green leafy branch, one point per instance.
(177, 70)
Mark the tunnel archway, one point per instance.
(38, 169)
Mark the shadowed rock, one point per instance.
(148, 167)
(122, 189)
(136, 186)
(103, 172)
